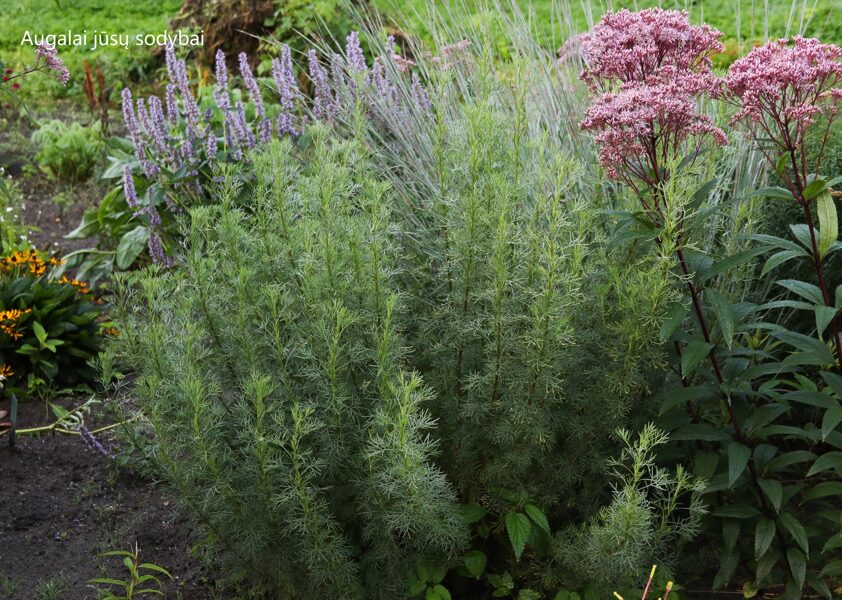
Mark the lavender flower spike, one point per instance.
(220, 93)
(251, 85)
(353, 52)
(128, 187)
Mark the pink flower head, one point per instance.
(642, 124)
(787, 83)
(52, 61)
(649, 69)
(630, 47)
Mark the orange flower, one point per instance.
(6, 371)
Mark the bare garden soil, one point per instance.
(62, 503)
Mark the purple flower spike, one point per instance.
(353, 52)
(251, 84)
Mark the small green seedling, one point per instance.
(139, 581)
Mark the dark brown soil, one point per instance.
(62, 503)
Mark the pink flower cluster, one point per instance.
(649, 68)
(789, 83)
(637, 46)
(640, 126)
(52, 61)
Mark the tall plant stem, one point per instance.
(817, 264)
(714, 361)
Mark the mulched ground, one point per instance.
(62, 503)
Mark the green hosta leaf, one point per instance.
(824, 315)
(823, 490)
(773, 490)
(763, 536)
(475, 561)
(832, 418)
(518, 528)
(797, 565)
(808, 291)
(796, 530)
(830, 460)
(131, 245)
(828, 221)
(693, 354)
(724, 314)
(738, 456)
(538, 517)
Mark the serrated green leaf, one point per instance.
(823, 490)
(518, 527)
(808, 291)
(773, 490)
(825, 462)
(824, 315)
(475, 561)
(724, 314)
(815, 188)
(797, 565)
(791, 524)
(832, 418)
(693, 354)
(763, 536)
(39, 331)
(774, 192)
(675, 316)
(828, 222)
(780, 258)
(538, 517)
(738, 457)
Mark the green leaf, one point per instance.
(438, 592)
(518, 528)
(832, 418)
(471, 513)
(131, 245)
(797, 565)
(737, 511)
(728, 562)
(795, 529)
(779, 258)
(738, 456)
(693, 354)
(828, 222)
(773, 192)
(830, 460)
(538, 517)
(814, 189)
(808, 291)
(833, 569)
(823, 490)
(773, 490)
(475, 561)
(724, 314)
(40, 332)
(824, 315)
(763, 536)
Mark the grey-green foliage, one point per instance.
(275, 377)
(653, 512)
